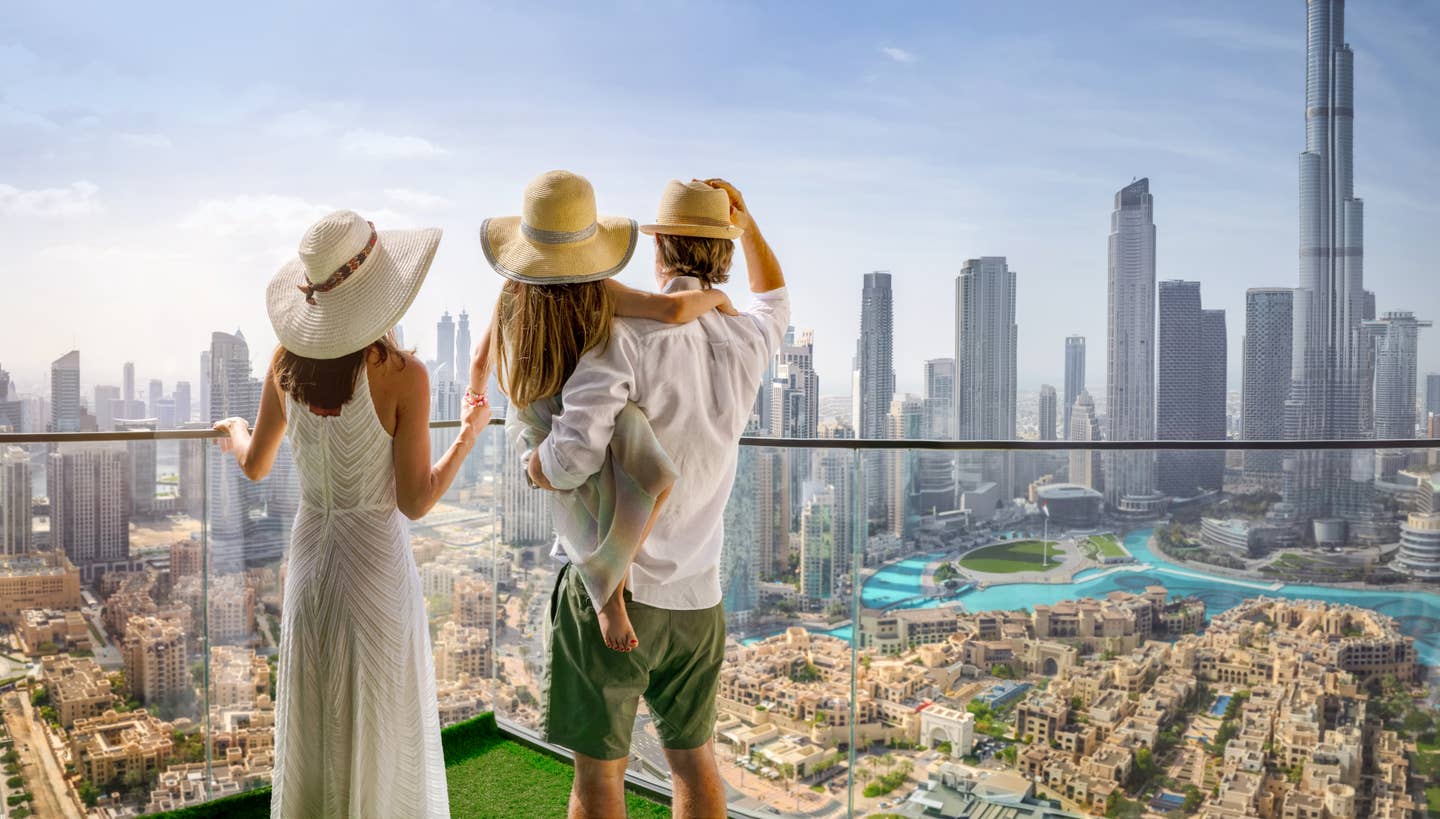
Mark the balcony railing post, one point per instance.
(859, 531)
(207, 730)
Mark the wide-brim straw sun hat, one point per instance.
(693, 209)
(558, 238)
(348, 286)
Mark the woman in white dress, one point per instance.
(357, 731)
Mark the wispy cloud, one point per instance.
(76, 199)
(377, 145)
(1234, 35)
(248, 213)
(419, 199)
(142, 140)
(899, 55)
(275, 216)
(303, 122)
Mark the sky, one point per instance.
(160, 161)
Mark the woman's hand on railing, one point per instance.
(236, 430)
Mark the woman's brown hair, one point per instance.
(327, 383)
(540, 332)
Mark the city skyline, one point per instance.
(67, 210)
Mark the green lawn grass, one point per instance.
(1108, 546)
(488, 773)
(1012, 557)
(1432, 799)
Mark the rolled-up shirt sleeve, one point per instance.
(602, 383)
(771, 313)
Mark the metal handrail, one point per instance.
(820, 443)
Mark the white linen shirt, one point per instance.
(696, 383)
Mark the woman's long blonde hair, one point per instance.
(540, 332)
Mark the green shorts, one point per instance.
(590, 693)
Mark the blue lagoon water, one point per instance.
(1417, 612)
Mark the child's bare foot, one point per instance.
(615, 624)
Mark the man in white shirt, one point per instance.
(696, 383)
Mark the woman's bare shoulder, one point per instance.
(400, 370)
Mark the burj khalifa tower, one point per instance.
(1331, 364)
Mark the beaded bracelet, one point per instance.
(474, 399)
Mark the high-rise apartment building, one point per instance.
(985, 343)
(1074, 375)
(1085, 426)
(12, 411)
(1047, 412)
(155, 660)
(128, 383)
(836, 469)
(937, 490)
(106, 399)
(90, 506)
(817, 548)
(875, 379)
(183, 406)
(1190, 389)
(739, 564)
(1330, 365)
(143, 473)
(524, 511)
(444, 349)
(65, 393)
(462, 348)
(156, 393)
(1266, 380)
(1130, 351)
(205, 388)
(907, 422)
(1396, 341)
(230, 497)
(985, 338)
(1432, 396)
(16, 515)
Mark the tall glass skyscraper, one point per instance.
(875, 380)
(1330, 365)
(1190, 389)
(1074, 375)
(1396, 340)
(1130, 351)
(1266, 379)
(985, 340)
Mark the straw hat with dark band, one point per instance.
(558, 238)
(349, 285)
(693, 209)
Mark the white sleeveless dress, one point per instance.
(357, 731)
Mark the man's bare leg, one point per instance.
(699, 791)
(599, 788)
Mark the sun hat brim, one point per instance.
(361, 310)
(602, 255)
(699, 231)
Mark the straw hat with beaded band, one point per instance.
(558, 238)
(348, 286)
(693, 209)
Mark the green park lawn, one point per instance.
(1108, 546)
(1009, 558)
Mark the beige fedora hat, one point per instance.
(693, 209)
(349, 285)
(558, 238)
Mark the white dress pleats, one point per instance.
(357, 730)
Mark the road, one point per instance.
(38, 765)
